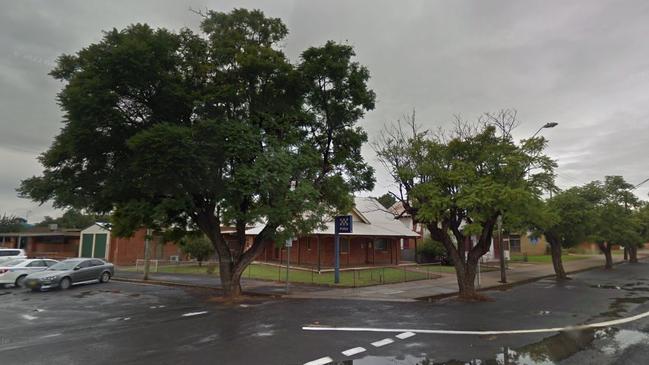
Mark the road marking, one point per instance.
(354, 351)
(320, 361)
(383, 342)
(193, 314)
(481, 333)
(403, 336)
(28, 317)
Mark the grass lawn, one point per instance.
(351, 278)
(546, 259)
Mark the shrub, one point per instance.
(430, 251)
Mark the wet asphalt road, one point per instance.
(125, 323)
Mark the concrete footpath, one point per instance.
(447, 285)
(444, 285)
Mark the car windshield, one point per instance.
(12, 262)
(65, 265)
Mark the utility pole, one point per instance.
(342, 224)
(501, 251)
(289, 244)
(147, 253)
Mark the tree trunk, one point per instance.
(633, 254)
(230, 280)
(555, 250)
(466, 273)
(606, 250)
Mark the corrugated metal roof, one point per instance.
(381, 222)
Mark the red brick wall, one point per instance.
(66, 249)
(361, 252)
(126, 251)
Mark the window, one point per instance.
(515, 243)
(84, 264)
(344, 245)
(381, 244)
(50, 262)
(308, 244)
(9, 253)
(96, 263)
(38, 263)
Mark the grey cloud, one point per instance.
(584, 64)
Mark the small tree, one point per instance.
(566, 220)
(459, 183)
(387, 200)
(197, 246)
(10, 223)
(614, 203)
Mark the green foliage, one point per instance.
(613, 212)
(197, 246)
(387, 200)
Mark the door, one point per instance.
(100, 245)
(86, 245)
(84, 273)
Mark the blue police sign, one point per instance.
(344, 224)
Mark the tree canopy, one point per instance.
(458, 183)
(200, 130)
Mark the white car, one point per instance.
(7, 254)
(13, 272)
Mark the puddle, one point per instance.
(84, 294)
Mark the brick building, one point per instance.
(97, 241)
(47, 242)
(376, 240)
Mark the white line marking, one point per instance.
(28, 317)
(480, 333)
(320, 361)
(383, 342)
(403, 336)
(193, 314)
(354, 351)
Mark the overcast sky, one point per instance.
(583, 64)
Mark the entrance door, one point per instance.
(100, 246)
(86, 245)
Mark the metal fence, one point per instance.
(349, 277)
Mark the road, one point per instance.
(128, 323)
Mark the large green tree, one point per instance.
(458, 183)
(189, 130)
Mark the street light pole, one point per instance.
(501, 251)
(546, 125)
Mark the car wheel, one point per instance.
(20, 282)
(105, 277)
(65, 283)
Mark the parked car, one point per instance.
(14, 272)
(71, 272)
(7, 254)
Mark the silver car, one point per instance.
(70, 272)
(14, 272)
